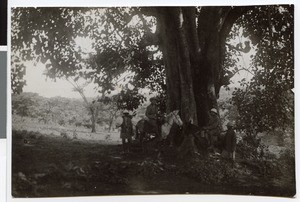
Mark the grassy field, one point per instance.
(27, 124)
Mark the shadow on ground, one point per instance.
(50, 166)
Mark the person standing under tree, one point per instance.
(152, 115)
(230, 142)
(126, 131)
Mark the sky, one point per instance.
(38, 83)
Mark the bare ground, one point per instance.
(45, 165)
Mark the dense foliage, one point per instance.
(266, 101)
(117, 45)
(129, 99)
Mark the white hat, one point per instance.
(214, 110)
(125, 112)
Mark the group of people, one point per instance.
(127, 126)
(212, 131)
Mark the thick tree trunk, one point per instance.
(199, 75)
(181, 53)
(209, 24)
(188, 104)
(169, 48)
(178, 63)
(193, 55)
(214, 25)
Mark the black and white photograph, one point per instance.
(110, 101)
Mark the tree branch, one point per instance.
(245, 69)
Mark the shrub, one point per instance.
(287, 162)
(210, 171)
(250, 147)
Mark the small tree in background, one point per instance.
(126, 99)
(25, 105)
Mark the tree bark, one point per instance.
(209, 23)
(188, 104)
(169, 48)
(193, 55)
(180, 93)
(214, 25)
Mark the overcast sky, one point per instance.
(36, 82)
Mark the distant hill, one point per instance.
(62, 109)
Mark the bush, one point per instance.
(268, 168)
(61, 122)
(287, 162)
(250, 147)
(210, 171)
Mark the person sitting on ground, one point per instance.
(152, 116)
(126, 131)
(213, 129)
(230, 142)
